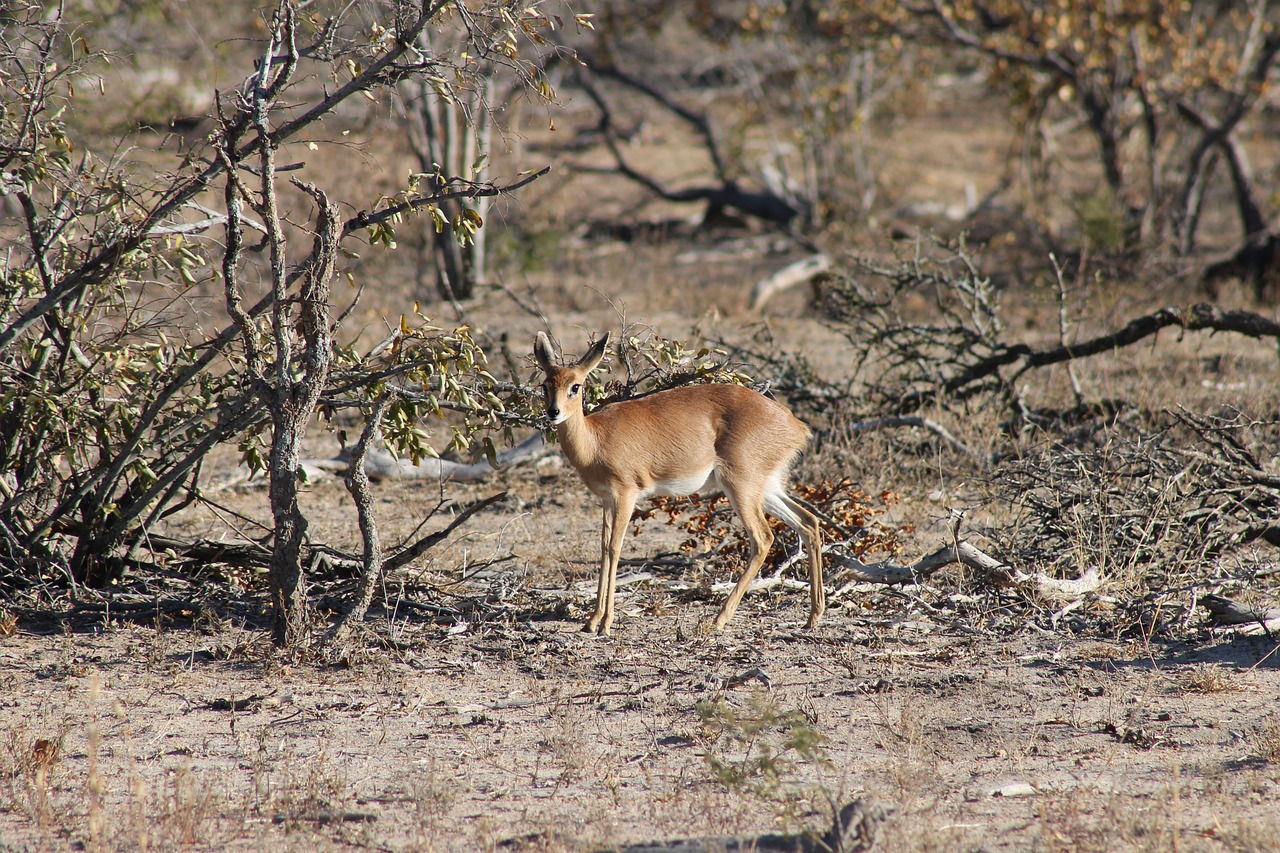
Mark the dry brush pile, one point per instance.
(1122, 511)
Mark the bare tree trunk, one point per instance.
(450, 132)
(288, 592)
(293, 404)
(289, 370)
(358, 486)
(1220, 134)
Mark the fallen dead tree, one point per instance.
(964, 354)
(961, 350)
(969, 555)
(1021, 358)
(381, 464)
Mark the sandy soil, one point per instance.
(514, 729)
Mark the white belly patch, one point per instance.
(704, 482)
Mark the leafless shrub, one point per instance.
(1177, 497)
(1155, 511)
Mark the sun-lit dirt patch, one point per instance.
(465, 736)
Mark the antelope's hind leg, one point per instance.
(751, 510)
(805, 523)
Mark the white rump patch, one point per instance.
(777, 507)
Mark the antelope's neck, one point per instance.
(577, 439)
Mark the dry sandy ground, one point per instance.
(522, 732)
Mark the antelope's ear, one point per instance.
(593, 355)
(543, 353)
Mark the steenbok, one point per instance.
(698, 438)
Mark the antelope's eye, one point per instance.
(573, 391)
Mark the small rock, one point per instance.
(1015, 789)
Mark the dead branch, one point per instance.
(207, 552)
(924, 423)
(1199, 317)
(763, 205)
(963, 352)
(407, 555)
(460, 190)
(257, 556)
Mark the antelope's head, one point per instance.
(562, 388)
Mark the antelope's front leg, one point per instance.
(617, 517)
(602, 589)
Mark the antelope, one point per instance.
(696, 438)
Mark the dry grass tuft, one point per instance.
(1268, 740)
(1207, 678)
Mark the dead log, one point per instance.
(383, 465)
(967, 554)
(804, 270)
(1226, 613)
(854, 830)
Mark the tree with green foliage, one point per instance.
(112, 396)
